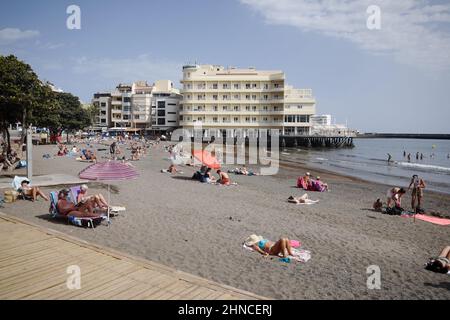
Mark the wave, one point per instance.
(321, 159)
(424, 167)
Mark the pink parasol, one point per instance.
(108, 171)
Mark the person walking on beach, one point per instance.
(389, 158)
(417, 185)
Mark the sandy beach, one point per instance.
(199, 228)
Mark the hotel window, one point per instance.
(103, 104)
(254, 108)
(200, 97)
(236, 119)
(161, 113)
(224, 108)
(214, 119)
(254, 85)
(247, 86)
(225, 86)
(161, 104)
(236, 97)
(214, 86)
(126, 99)
(276, 85)
(266, 86)
(266, 97)
(299, 107)
(225, 97)
(236, 108)
(224, 120)
(161, 121)
(275, 108)
(253, 119)
(125, 117)
(247, 108)
(254, 97)
(215, 97)
(188, 97)
(247, 97)
(181, 118)
(247, 119)
(265, 119)
(200, 119)
(265, 108)
(236, 86)
(215, 108)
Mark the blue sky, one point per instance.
(396, 79)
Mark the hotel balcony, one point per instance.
(222, 90)
(231, 101)
(232, 124)
(231, 112)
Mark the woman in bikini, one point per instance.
(266, 247)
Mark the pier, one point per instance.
(316, 142)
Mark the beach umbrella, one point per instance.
(108, 171)
(206, 158)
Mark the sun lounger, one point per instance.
(81, 222)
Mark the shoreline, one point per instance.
(199, 229)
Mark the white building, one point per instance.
(165, 106)
(321, 120)
(225, 100)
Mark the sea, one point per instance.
(368, 160)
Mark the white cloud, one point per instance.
(9, 35)
(414, 32)
(142, 67)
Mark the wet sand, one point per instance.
(199, 228)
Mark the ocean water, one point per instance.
(368, 161)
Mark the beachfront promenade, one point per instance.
(34, 262)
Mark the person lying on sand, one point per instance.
(97, 199)
(302, 199)
(68, 208)
(172, 169)
(266, 247)
(32, 192)
(440, 264)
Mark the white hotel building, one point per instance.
(224, 100)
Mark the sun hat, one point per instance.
(308, 174)
(83, 187)
(318, 177)
(253, 239)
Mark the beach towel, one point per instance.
(434, 220)
(300, 255)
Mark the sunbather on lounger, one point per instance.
(266, 247)
(97, 199)
(68, 208)
(32, 192)
(302, 199)
(440, 264)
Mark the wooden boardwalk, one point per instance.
(34, 262)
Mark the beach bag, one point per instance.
(85, 222)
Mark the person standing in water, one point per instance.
(389, 157)
(417, 155)
(421, 156)
(404, 153)
(409, 157)
(417, 185)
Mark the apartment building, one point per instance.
(165, 106)
(139, 107)
(103, 103)
(225, 100)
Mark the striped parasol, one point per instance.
(109, 171)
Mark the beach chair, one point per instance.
(75, 191)
(81, 222)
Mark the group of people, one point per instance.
(242, 171)
(90, 206)
(395, 194)
(205, 175)
(307, 183)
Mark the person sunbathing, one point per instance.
(32, 192)
(440, 264)
(223, 178)
(68, 208)
(172, 169)
(97, 199)
(265, 247)
(303, 199)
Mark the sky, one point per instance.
(390, 74)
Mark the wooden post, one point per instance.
(29, 153)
